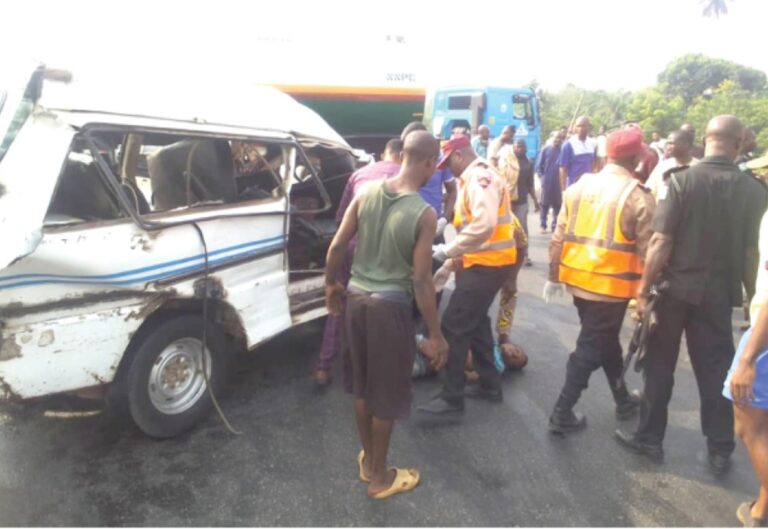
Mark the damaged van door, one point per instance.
(164, 245)
(23, 200)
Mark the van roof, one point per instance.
(251, 107)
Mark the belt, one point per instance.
(396, 296)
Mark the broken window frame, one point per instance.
(128, 206)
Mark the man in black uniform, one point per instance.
(705, 238)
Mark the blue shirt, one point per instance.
(577, 157)
(432, 191)
(548, 166)
(480, 148)
(498, 360)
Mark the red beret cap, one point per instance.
(624, 143)
(456, 143)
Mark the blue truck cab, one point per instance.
(471, 106)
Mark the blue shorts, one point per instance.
(760, 388)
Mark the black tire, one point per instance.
(185, 332)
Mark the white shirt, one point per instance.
(656, 183)
(602, 152)
(761, 288)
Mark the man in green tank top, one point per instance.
(392, 264)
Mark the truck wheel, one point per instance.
(166, 390)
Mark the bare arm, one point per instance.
(642, 210)
(424, 288)
(751, 262)
(659, 252)
(334, 290)
(563, 177)
(743, 378)
(758, 342)
(346, 199)
(556, 244)
(450, 199)
(532, 192)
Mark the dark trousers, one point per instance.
(521, 212)
(545, 207)
(710, 346)
(466, 325)
(597, 347)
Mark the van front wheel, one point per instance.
(167, 390)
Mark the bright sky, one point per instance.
(608, 44)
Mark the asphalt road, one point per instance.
(295, 464)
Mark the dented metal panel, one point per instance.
(64, 354)
(70, 308)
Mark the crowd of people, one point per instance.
(668, 227)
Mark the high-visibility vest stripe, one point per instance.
(596, 256)
(503, 219)
(500, 248)
(607, 285)
(499, 245)
(591, 241)
(600, 260)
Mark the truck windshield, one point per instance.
(521, 107)
(459, 102)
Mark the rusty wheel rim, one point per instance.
(176, 382)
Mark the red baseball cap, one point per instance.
(457, 142)
(624, 143)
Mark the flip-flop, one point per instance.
(744, 514)
(361, 468)
(405, 479)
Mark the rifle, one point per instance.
(643, 330)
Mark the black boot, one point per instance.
(477, 391)
(719, 464)
(654, 452)
(566, 421)
(628, 404)
(440, 407)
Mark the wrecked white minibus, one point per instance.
(129, 217)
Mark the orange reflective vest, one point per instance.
(596, 255)
(499, 249)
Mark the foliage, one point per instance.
(691, 75)
(714, 7)
(730, 98)
(603, 108)
(682, 95)
(655, 111)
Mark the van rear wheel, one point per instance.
(167, 391)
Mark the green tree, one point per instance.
(603, 108)
(730, 98)
(691, 75)
(678, 98)
(655, 111)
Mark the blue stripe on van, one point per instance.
(259, 247)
